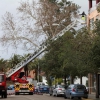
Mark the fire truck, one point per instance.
(3, 88)
(22, 83)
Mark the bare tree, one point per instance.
(53, 16)
(36, 19)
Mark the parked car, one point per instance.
(44, 88)
(35, 89)
(76, 90)
(59, 90)
(51, 88)
(10, 87)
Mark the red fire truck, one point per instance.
(3, 88)
(23, 84)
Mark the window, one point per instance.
(81, 87)
(69, 87)
(1, 78)
(60, 86)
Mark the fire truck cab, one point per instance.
(3, 88)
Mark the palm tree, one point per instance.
(14, 60)
(3, 65)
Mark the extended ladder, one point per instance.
(38, 52)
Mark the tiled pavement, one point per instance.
(91, 97)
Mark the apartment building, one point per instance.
(91, 17)
(92, 12)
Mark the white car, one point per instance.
(59, 90)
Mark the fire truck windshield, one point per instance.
(1, 78)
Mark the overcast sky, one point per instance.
(11, 5)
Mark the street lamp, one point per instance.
(83, 16)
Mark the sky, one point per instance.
(10, 6)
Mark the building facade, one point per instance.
(92, 13)
(92, 16)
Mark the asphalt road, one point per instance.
(37, 97)
(32, 97)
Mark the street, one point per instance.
(32, 97)
(37, 97)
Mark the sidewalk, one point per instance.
(92, 97)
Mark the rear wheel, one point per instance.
(31, 93)
(86, 97)
(2, 95)
(71, 97)
(5, 94)
(52, 94)
(79, 98)
(65, 96)
(16, 93)
(56, 94)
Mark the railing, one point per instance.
(64, 30)
(25, 61)
(38, 52)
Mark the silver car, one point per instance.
(76, 90)
(59, 90)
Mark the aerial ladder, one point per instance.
(40, 50)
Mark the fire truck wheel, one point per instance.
(2, 95)
(31, 93)
(5, 94)
(16, 93)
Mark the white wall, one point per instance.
(44, 80)
(84, 79)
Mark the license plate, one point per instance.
(24, 91)
(45, 88)
(62, 93)
(80, 91)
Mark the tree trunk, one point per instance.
(80, 79)
(71, 79)
(97, 85)
(65, 79)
